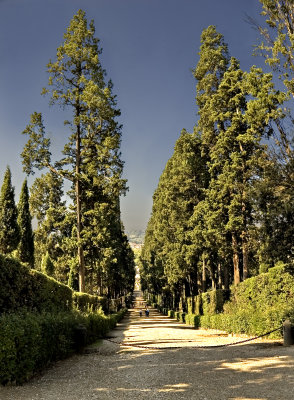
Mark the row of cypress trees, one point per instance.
(16, 234)
(79, 237)
(84, 237)
(223, 202)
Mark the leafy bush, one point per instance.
(192, 320)
(30, 341)
(180, 316)
(171, 313)
(213, 301)
(258, 305)
(87, 302)
(24, 288)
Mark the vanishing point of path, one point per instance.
(258, 370)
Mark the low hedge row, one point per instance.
(211, 302)
(88, 302)
(258, 305)
(24, 288)
(30, 341)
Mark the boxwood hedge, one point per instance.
(24, 288)
(30, 341)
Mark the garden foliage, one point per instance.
(256, 306)
(26, 288)
(30, 341)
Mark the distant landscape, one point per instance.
(136, 236)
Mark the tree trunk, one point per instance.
(226, 277)
(203, 275)
(219, 275)
(235, 260)
(245, 256)
(78, 200)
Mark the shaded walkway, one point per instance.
(255, 371)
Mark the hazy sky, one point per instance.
(149, 49)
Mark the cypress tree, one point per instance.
(47, 265)
(77, 81)
(26, 244)
(9, 229)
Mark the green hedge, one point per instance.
(258, 305)
(87, 302)
(29, 342)
(180, 316)
(192, 320)
(261, 303)
(24, 288)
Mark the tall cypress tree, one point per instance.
(9, 229)
(77, 81)
(26, 244)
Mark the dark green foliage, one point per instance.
(25, 250)
(192, 320)
(24, 288)
(86, 302)
(91, 157)
(168, 264)
(47, 265)
(29, 341)
(258, 305)
(9, 230)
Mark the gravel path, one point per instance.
(258, 370)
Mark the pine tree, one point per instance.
(208, 220)
(49, 209)
(241, 109)
(9, 229)
(168, 256)
(278, 44)
(77, 81)
(47, 265)
(26, 244)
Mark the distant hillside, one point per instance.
(136, 236)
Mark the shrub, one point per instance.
(192, 320)
(30, 341)
(180, 316)
(258, 305)
(171, 313)
(22, 287)
(213, 301)
(87, 302)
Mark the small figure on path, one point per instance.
(147, 312)
(140, 312)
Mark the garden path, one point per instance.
(168, 366)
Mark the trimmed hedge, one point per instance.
(29, 342)
(180, 316)
(192, 320)
(258, 305)
(88, 302)
(24, 288)
(210, 302)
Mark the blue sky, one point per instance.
(149, 49)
